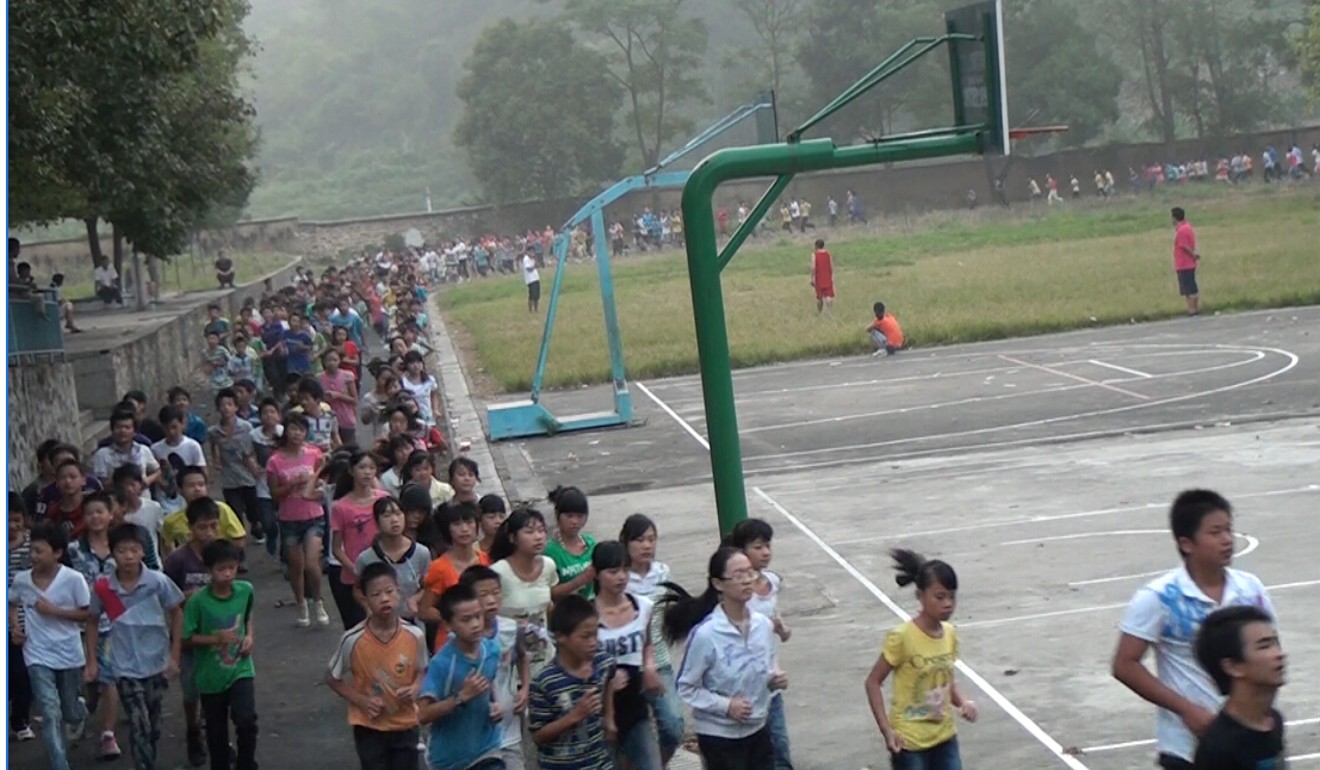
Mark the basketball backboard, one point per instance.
(976, 68)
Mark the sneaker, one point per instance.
(75, 731)
(303, 620)
(259, 538)
(25, 734)
(322, 617)
(109, 746)
(196, 749)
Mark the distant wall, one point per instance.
(42, 404)
(884, 190)
(159, 356)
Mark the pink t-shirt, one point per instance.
(1184, 239)
(357, 526)
(345, 413)
(283, 469)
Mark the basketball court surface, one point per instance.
(1041, 468)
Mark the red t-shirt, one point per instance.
(824, 269)
(1184, 240)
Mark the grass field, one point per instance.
(948, 277)
(183, 273)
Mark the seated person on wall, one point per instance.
(224, 270)
(107, 282)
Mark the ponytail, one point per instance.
(683, 611)
(912, 568)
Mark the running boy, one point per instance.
(1240, 648)
(571, 711)
(52, 600)
(753, 537)
(217, 627)
(378, 668)
(512, 680)
(885, 333)
(146, 621)
(1167, 613)
(456, 699)
(822, 276)
(20, 559)
(90, 555)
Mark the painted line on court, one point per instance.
(1078, 378)
(1118, 368)
(1096, 608)
(1065, 516)
(1252, 543)
(1293, 360)
(684, 423)
(1014, 713)
(1151, 741)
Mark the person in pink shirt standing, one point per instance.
(293, 470)
(341, 391)
(1185, 260)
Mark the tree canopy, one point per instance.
(538, 113)
(129, 112)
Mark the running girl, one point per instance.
(646, 578)
(493, 513)
(919, 730)
(729, 671)
(464, 477)
(527, 577)
(341, 392)
(352, 530)
(571, 550)
(292, 471)
(423, 387)
(624, 635)
(420, 469)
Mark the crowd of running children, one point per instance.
(482, 637)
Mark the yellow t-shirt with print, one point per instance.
(921, 711)
(174, 530)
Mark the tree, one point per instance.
(1307, 48)
(538, 113)
(777, 24)
(655, 54)
(845, 39)
(129, 112)
(1057, 72)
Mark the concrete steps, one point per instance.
(92, 430)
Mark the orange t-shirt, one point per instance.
(379, 669)
(824, 272)
(440, 577)
(889, 327)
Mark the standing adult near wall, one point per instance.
(1185, 260)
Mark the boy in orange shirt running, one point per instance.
(822, 276)
(886, 334)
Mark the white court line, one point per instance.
(1078, 378)
(683, 423)
(1304, 757)
(1151, 741)
(1014, 713)
(1097, 608)
(1064, 516)
(1293, 360)
(1118, 368)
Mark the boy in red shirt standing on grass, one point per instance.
(1185, 260)
(822, 276)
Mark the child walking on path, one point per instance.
(918, 729)
(52, 600)
(571, 706)
(217, 626)
(146, 618)
(729, 672)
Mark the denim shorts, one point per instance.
(297, 532)
(104, 673)
(188, 677)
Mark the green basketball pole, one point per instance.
(983, 132)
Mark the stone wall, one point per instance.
(157, 356)
(42, 404)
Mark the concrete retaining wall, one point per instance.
(42, 404)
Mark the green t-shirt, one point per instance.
(570, 565)
(218, 667)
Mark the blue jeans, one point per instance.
(56, 694)
(668, 710)
(640, 747)
(778, 725)
(942, 757)
(270, 524)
